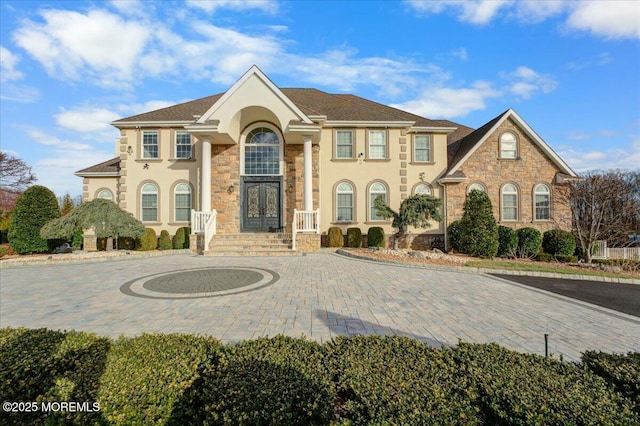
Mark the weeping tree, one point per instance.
(103, 216)
(417, 211)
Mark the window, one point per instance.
(105, 194)
(344, 202)
(509, 202)
(149, 203)
(422, 148)
(508, 145)
(262, 152)
(477, 187)
(344, 144)
(423, 189)
(377, 144)
(376, 190)
(150, 144)
(542, 200)
(183, 145)
(183, 203)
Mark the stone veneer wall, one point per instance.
(225, 172)
(533, 167)
(308, 243)
(294, 181)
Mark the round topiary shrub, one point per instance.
(507, 241)
(529, 242)
(181, 239)
(354, 237)
(334, 237)
(165, 240)
(559, 242)
(376, 237)
(35, 207)
(453, 235)
(149, 241)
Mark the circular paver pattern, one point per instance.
(200, 283)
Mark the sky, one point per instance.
(570, 69)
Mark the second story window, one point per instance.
(421, 148)
(183, 145)
(150, 144)
(508, 146)
(377, 144)
(344, 144)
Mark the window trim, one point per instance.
(243, 143)
(175, 145)
(534, 206)
(174, 189)
(368, 145)
(353, 202)
(482, 185)
(517, 203)
(428, 185)
(142, 145)
(103, 189)
(516, 154)
(139, 203)
(335, 145)
(370, 200)
(429, 159)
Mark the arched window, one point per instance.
(182, 195)
(344, 202)
(149, 203)
(105, 194)
(509, 201)
(508, 146)
(262, 152)
(476, 186)
(542, 201)
(423, 189)
(376, 190)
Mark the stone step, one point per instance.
(246, 244)
(254, 252)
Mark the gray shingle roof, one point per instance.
(109, 166)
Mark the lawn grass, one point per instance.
(542, 267)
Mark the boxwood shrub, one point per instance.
(156, 379)
(149, 241)
(376, 237)
(544, 257)
(559, 242)
(354, 237)
(181, 239)
(334, 237)
(270, 381)
(620, 370)
(507, 241)
(453, 233)
(529, 242)
(165, 242)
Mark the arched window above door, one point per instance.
(262, 152)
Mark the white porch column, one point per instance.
(308, 175)
(206, 175)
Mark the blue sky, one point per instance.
(570, 69)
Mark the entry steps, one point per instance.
(250, 244)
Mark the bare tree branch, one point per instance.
(15, 174)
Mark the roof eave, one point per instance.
(432, 129)
(136, 124)
(356, 123)
(97, 174)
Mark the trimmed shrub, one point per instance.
(544, 257)
(453, 234)
(334, 237)
(621, 371)
(149, 241)
(3, 251)
(354, 237)
(274, 381)
(181, 239)
(376, 237)
(156, 379)
(523, 389)
(126, 243)
(559, 242)
(77, 240)
(40, 365)
(397, 380)
(529, 242)
(507, 241)
(165, 240)
(566, 259)
(478, 227)
(35, 207)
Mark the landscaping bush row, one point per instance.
(354, 238)
(179, 379)
(151, 241)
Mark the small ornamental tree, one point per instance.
(478, 227)
(66, 205)
(34, 208)
(417, 210)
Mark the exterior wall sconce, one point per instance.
(230, 189)
(129, 150)
(146, 166)
(361, 155)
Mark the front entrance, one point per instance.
(261, 204)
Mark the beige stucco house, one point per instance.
(286, 164)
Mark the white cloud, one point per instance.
(86, 119)
(210, 6)
(475, 12)
(525, 82)
(19, 93)
(626, 157)
(578, 135)
(8, 63)
(130, 109)
(610, 19)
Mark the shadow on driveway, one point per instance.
(619, 297)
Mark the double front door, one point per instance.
(261, 206)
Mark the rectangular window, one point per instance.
(345, 207)
(344, 143)
(510, 207)
(149, 207)
(377, 144)
(183, 145)
(373, 212)
(543, 207)
(183, 207)
(150, 144)
(422, 148)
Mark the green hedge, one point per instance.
(149, 241)
(180, 379)
(559, 242)
(507, 241)
(165, 242)
(334, 237)
(181, 239)
(529, 242)
(354, 237)
(375, 237)
(453, 233)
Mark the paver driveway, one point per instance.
(318, 295)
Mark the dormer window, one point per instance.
(508, 146)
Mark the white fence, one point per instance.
(304, 221)
(205, 223)
(601, 251)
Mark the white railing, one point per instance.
(601, 251)
(304, 221)
(204, 223)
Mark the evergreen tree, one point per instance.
(417, 210)
(35, 207)
(478, 227)
(66, 205)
